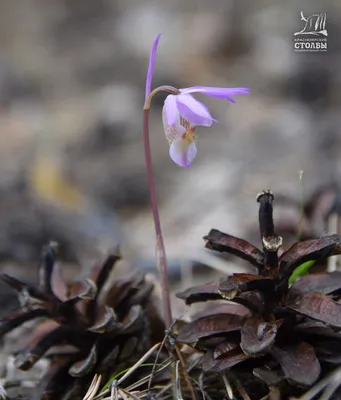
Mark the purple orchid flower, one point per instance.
(182, 113)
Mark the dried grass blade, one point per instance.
(90, 394)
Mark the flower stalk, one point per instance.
(163, 88)
(160, 247)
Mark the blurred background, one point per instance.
(72, 77)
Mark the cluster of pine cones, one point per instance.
(258, 336)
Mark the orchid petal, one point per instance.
(218, 92)
(171, 109)
(193, 110)
(172, 132)
(182, 152)
(151, 66)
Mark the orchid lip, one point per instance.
(183, 152)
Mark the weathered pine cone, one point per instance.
(264, 334)
(82, 329)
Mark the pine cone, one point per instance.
(80, 328)
(266, 334)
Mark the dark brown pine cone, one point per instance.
(81, 328)
(265, 335)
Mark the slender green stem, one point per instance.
(160, 248)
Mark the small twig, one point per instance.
(141, 394)
(200, 386)
(124, 396)
(178, 381)
(311, 393)
(91, 393)
(3, 393)
(274, 394)
(228, 387)
(138, 363)
(121, 390)
(182, 361)
(168, 333)
(164, 390)
(201, 380)
(130, 371)
(155, 362)
(330, 390)
(114, 393)
(146, 379)
(185, 372)
(241, 390)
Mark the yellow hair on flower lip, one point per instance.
(189, 135)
